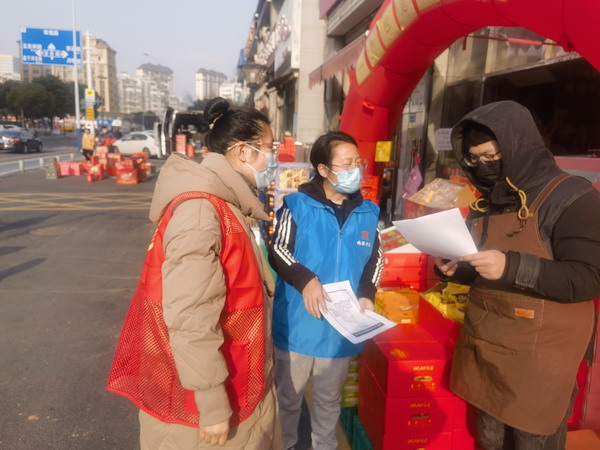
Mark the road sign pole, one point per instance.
(88, 48)
(76, 84)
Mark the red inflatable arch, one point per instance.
(407, 35)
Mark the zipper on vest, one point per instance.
(338, 255)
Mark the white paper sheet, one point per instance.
(442, 234)
(343, 313)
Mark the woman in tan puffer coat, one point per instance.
(216, 295)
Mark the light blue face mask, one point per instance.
(266, 176)
(348, 181)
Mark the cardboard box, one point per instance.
(444, 330)
(591, 414)
(414, 441)
(404, 270)
(127, 176)
(390, 239)
(410, 369)
(403, 414)
(126, 164)
(101, 149)
(404, 333)
(180, 143)
(462, 439)
(465, 415)
(147, 169)
(76, 169)
(400, 333)
(95, 173)
(405, 422)
(398, 305)
(141, 155)
(64, 169)
(439, 195)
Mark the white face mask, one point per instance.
(266, 176)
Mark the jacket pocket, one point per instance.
(238, 363)
(506, 320)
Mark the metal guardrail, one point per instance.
(22, 165)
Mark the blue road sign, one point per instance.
(49, 47)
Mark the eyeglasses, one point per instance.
(358, 163)
(272, 148)
(487, 158)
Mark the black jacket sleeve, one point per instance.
(574, 274)
(281, 253)
(465, 274)
(371, 275)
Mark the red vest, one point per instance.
(144, 369)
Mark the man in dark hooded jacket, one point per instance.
(530, 318)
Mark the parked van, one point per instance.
(189, 125)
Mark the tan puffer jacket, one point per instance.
(193, 280)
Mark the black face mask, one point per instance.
(488, 174)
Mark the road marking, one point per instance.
(75, 202)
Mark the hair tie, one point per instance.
(212, 124)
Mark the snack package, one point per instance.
(451, 301)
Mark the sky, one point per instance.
(184, 35)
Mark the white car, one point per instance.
(136, 142)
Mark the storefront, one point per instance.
(410, 87)
(486, 65)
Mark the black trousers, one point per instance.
(495, 435)
(87, 154)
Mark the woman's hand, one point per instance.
(489, 264)
(448, 268)
(365, 304)
(215, 434)
(314, 295)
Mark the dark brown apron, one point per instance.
(518, 355)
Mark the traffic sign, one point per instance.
(49, 47)
(90, 97)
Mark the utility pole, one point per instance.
(76, 84)
(90, 85)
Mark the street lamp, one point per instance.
(252, 74)
(150, 56)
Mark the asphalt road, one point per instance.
(70, 257)
(53, 146)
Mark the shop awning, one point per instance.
(283, 79)
(343, 60)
